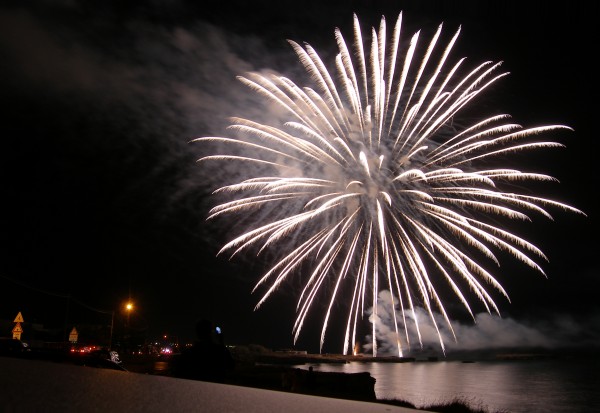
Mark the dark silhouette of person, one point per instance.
(208, 359)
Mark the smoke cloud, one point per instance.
(143, 90)
(485, 332)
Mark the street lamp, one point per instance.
(128, 308)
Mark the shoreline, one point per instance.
(290, 374)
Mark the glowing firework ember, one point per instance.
(370, 184)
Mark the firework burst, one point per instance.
(370, 183)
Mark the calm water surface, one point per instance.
(526, 386)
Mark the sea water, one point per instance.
(519, 386)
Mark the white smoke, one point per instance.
(485, 332)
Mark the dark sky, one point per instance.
(102, 197)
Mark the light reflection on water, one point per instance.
(549, 386)
(160, 367)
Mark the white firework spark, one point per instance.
(370, 185)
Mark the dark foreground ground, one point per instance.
(30, 385)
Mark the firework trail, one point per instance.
(369, 183)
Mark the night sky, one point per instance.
(102, 198)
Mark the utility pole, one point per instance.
(112, 326)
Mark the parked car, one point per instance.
(13, 347)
